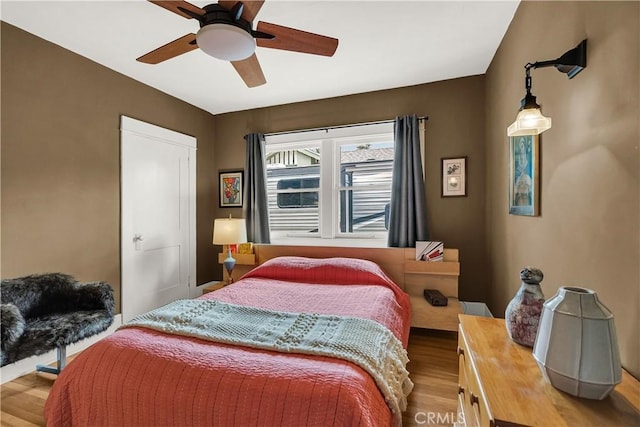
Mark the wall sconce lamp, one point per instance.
(530, 120)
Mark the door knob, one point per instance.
(137, 239)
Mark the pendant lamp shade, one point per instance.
(576, 345)
(529, 122)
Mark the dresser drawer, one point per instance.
(470, 398)
(465, 412)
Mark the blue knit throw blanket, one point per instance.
(364, 342)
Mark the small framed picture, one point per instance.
(524, 180)
(454, 177)
(231, 189)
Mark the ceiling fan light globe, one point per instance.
(226, 42)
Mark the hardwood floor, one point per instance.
(433, 401)
(434, 371)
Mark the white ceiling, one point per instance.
(383, 44)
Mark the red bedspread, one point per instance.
(143, 377)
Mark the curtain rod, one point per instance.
(327, 128)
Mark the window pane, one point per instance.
(364, 208)
(366, 164)
(292, 212)
(364, 211)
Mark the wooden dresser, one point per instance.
(500, 384)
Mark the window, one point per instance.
(302, 198)
(330, 184)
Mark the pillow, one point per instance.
(334, 271)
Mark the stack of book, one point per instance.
(429, 251)
(245, 248)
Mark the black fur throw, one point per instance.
(46, 311)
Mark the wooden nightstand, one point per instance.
(500, 384)
(213, 287)
(443, 276)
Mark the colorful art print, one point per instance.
(231, 189)
(524, 181)
(454, 177)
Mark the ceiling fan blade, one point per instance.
(296, 40)
(170, 50)
(250, 71)
(174, 6)
(251, 7)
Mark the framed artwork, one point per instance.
(524, 180)
(454, 177)
(231, 189)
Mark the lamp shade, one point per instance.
(227, 42)
(529, 121)
(576, 346)
(229, 231)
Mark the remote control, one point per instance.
(435, 297)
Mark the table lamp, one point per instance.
(229, 231)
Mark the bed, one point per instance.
(144, 376)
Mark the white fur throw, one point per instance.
(364, 342)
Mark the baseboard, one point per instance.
(28, 365)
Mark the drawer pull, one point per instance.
(460, 389)
(473, 399)
(460, 351)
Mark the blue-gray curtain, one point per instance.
(254, 207)
(408, 210)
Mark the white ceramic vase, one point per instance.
(576, 345)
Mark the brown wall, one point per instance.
(61, 160)
(455, 128)
(60, 157)
(588, 232)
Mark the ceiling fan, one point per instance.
(226, 32)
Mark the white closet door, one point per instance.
(158, 216)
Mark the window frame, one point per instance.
(330, 141)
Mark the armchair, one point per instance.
(42, 312)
